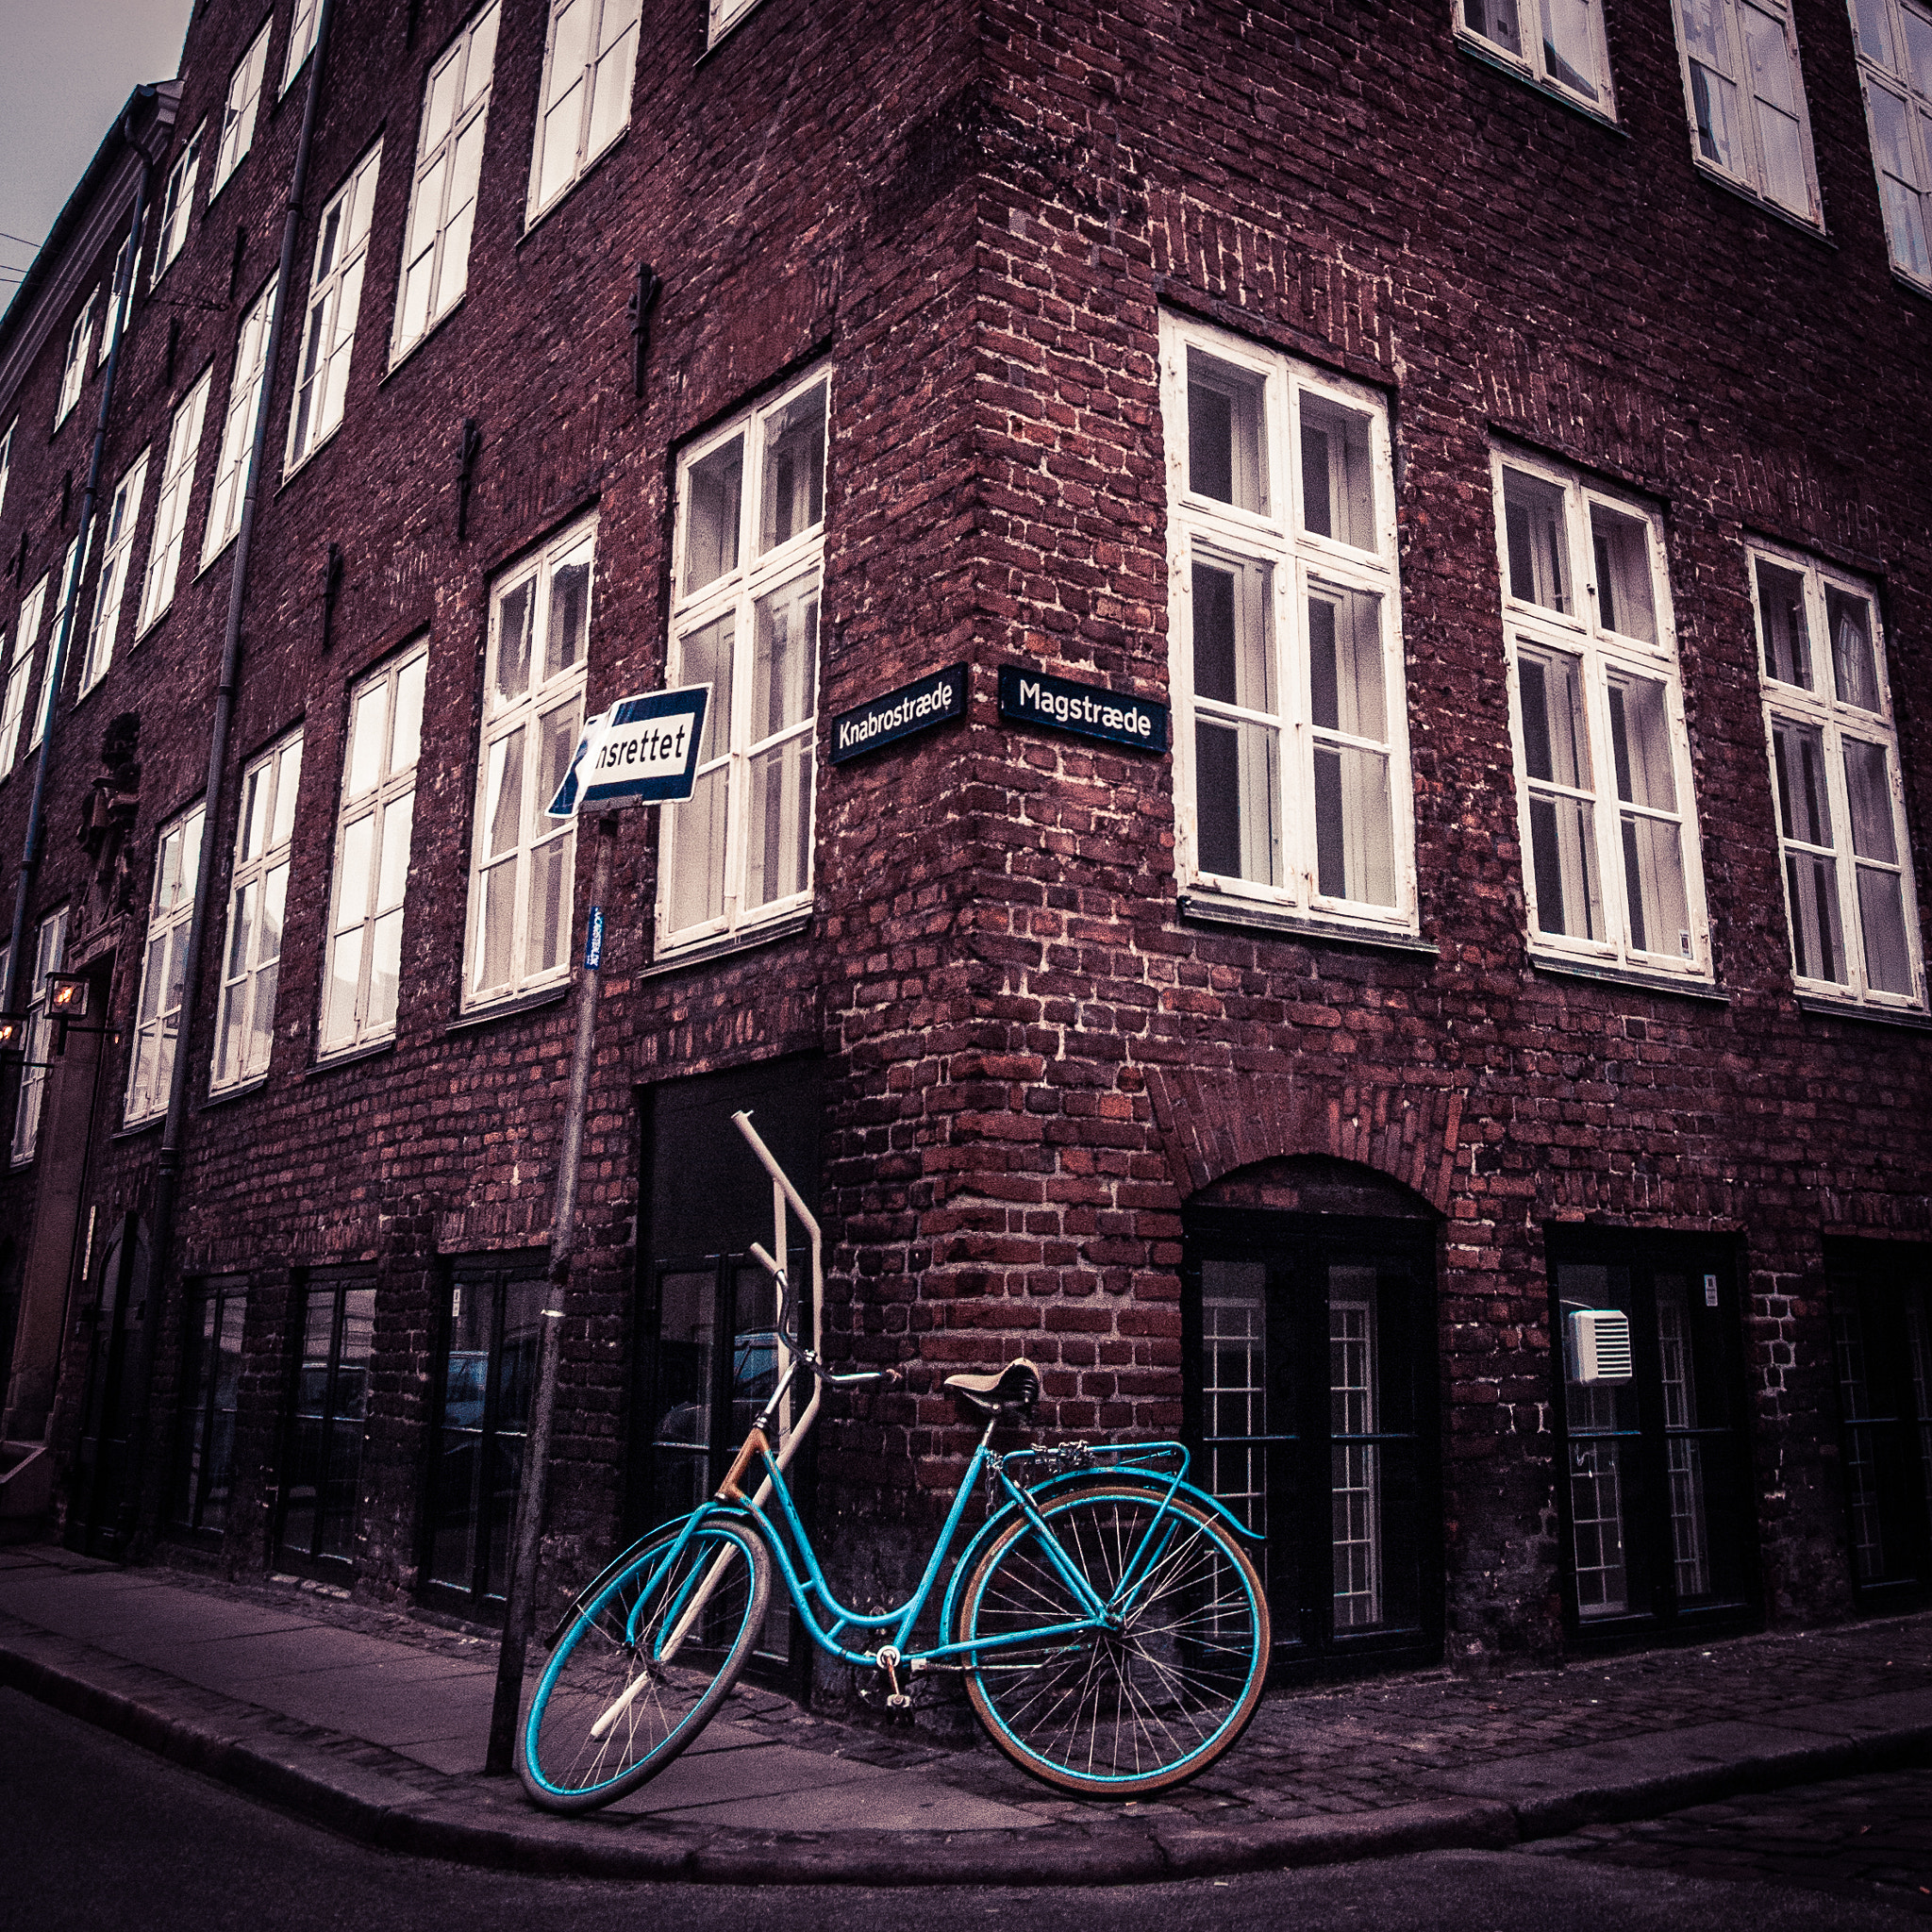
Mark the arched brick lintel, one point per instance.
(1213, 1123)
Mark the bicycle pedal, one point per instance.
(898, 1701)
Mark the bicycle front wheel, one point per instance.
(1149, 1702)
(639, 1672)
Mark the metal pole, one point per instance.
(520, 1612)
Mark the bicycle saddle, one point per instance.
(1016, 1386)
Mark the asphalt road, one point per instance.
(100, 1834)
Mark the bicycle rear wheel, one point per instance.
(1128, 1710)
(612, 1708)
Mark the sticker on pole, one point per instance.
(641, 751)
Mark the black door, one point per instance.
(1312, 1410)
(98, 1520)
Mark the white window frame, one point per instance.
(50, 952)
(1602, 656)
(1887, 66)
(120, 297)
(1836, 721)
(389, 701)
(171, 509)
(257, 916)
(238, 110)
(246, 385)
(443, 193)
(156, 1024)
(123, 519)
(601, 48)
(19, 672)
(302, 26)
(724, 14)
(74, 369)
(177, 205)
(335, 297)
(68, 591)
(6, 460)
(734, 739)
(1751, 174)
(1300, 563)
(540, 840)
(1488, 25)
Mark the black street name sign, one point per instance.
(899, 713)
(1032, 697)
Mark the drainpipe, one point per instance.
(56, 669)
(168, 1167)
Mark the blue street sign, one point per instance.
(641, 751)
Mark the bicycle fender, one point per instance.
(997, 1523)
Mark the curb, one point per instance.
(369, 1794)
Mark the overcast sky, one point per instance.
(66, 69)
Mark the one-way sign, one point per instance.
(641, 751)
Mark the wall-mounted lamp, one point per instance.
(13, 1030)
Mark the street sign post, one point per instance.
(643, 751)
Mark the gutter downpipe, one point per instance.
(56, 669)
(168, 1167)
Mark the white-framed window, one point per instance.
(533, 702)
(1747, 96)
(237, 112)
(73, 367)
(442, 199)
(301, 40)
(177, 203)
(589, 60)
(366, 927)
(334, 294)
(1894, 42)
(238, 428)
(1557, 43)
(726, 13)
(163, 968)
(749, 552)
(20, 671)
(50, 949)
(6, 460)
(1612, 866)
(1291, 730)
(124, 515)
(258, 898)
(68, 589)
(171, 512)
(1839, 798)
(120, 296)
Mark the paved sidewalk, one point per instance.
(374, 1723)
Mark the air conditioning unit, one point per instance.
(1599, 1345)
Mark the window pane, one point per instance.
(1238, 794)
(1787, 634)
(394, 870)
(697, 886)
(385, 971)
(794, 489)
(1641, 744)
(1898, 181)
(777, 857)
(1562, 833)
(1354, 831)
(1918, 50)
(568, 630)
(1570, 45)
(1555, 740)
(1596, 1412)
(345, 967)
(1234, 1385)
(503, 811)
(1225, 457)
(514, 617)
(1804, 809)
(1338, 488)
(705, 658)
(1872, 19)
(1867, 788)
(1345, 664)
(1715, 102)
(1496, 20)
(407, 736)
(714, 490)
(1653, 885)
(1623, 574)
(367, 730)
(784, 658)
(1818, 948)
(1853, 667)
(1533, 516)
(1882, 914)
(1780, 138)
(1234, 655)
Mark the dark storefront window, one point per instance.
(324, 1453)
(1312, 1404)
(489, 1367)
(1656, 1497)
(211, 1380)
(1881, 1331)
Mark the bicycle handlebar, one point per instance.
(788, 1329)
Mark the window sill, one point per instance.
(1912, 286)
(725, 33)
(133, 1129)
(509, 1009)
(1751, 198)
(207, 563)
(349, 1057)
(228, 1095)
(1705, 990)
(315, 449)
(728, 944)
(591, 167)
(423, 341)
(1483, 56)
(1239, 914)
(1875, 1016)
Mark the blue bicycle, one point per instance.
(1112, 1635)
